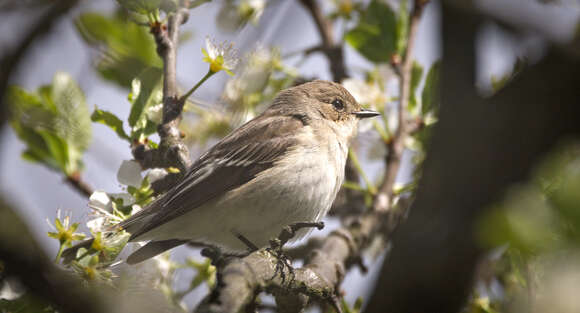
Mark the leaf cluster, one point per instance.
(53, 122)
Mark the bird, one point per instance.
(284, 166)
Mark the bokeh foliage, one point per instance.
(53, 122)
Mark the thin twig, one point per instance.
(396, 144)
(329, 47)
(79, 185)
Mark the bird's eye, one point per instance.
(338, 104)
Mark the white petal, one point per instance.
(100, 199)
(135, 208)
(129, 173)
(155, 113)
(211, 47)
(96, 224)
(156, 174)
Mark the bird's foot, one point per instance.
(276, 245)
(251, 246)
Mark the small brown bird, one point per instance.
(284, 166)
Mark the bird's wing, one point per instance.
(235, 160)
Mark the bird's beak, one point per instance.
(364, 113)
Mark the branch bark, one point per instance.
(172, 152)
(241, 279)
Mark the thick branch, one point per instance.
(396, 145)
(242, 278)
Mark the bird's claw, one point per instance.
(276, 245)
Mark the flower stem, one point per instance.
(59, 254)
(194, 88)
(352, 155)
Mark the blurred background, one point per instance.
(519, 33)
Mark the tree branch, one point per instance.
(172, 152)
(79, 185)
(396, 146)
(329, 47)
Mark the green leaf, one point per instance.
(72, 122)
(58, 149)
(430, 98)
(375, 36)
(402, 29)
(416, 75)
(53, 122)
(126, 48)
(145, 92)
(111, 120)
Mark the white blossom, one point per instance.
(253, 77)
(234, 14)
(130, 173)
(367, 94)
(156, 174)
(221, 56)
(101, 205)
(155, 113)
(100, 199)
(124, 196)
(252, 9)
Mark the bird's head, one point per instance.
(323, 100)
